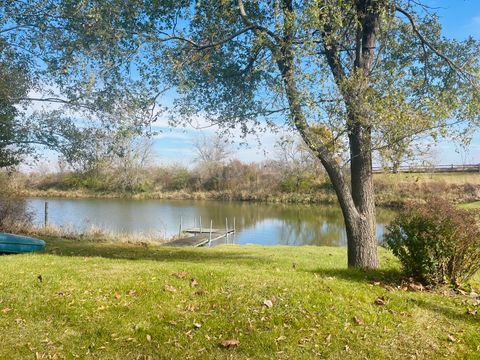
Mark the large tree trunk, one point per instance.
(361, 234)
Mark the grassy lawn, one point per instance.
(472, 205)
(451, 178)
(120, 301)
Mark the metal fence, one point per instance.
(430, 169)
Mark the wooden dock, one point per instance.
(200, 237)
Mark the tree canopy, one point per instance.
(53, 91)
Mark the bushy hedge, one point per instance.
(436, 242)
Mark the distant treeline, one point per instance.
(232, 175)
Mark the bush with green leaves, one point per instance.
(436, 243)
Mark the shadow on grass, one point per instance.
(387, 276)
(453, 313)
(75, 248)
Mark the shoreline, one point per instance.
(387, 200)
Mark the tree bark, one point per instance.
(362, 241)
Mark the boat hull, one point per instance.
(15, 244)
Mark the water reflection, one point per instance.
(256, 223)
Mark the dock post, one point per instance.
(200, 224)
(180, 229)
(46, 214)
(234, 231)
(210, 237)
(226, 228)
(194, 222)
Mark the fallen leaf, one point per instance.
(347, 348)
(328, 339)
(415, 287)
(190, 308)
(132, 292)
(280, 338)
(358, 320)
(197, 325)
(170, 288)
(149, 338)
(273, 299)
(118, 296)
(200, 292)
(180, 274)
(471, 312)
(451, 338)
(6, 310)
(230, 343)
(40, 278)
(268, 303)
(193, 282)
(380, 301)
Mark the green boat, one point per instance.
(14, 244)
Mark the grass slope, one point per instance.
(120, 301)
(472, 205)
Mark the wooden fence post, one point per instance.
(46, 214)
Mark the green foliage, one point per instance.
(436, 242)
(91, 180)
(179, 180)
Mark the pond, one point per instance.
(255, 223)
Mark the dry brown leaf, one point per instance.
(190, 308)
(280, 338)
(193, 282)
(180, 274)
(380, 301)
(358, 320)
(328, 339)
(451, 338)
(200, 292)
(118, 296)
(230, 343)
(471, 312)
(268, 303)
(149, 338)
(132, 292)
(273, 299)
(415, 287)
(170, 288)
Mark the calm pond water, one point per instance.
(256, 223)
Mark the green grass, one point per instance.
(472, 205)
(454, 177)
(115, 301)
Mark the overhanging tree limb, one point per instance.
(452, 64)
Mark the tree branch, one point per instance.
(468, 76)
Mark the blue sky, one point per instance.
(459, 18)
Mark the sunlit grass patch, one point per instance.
(113, 300)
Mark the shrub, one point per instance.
(14, 214)
(436, 242)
